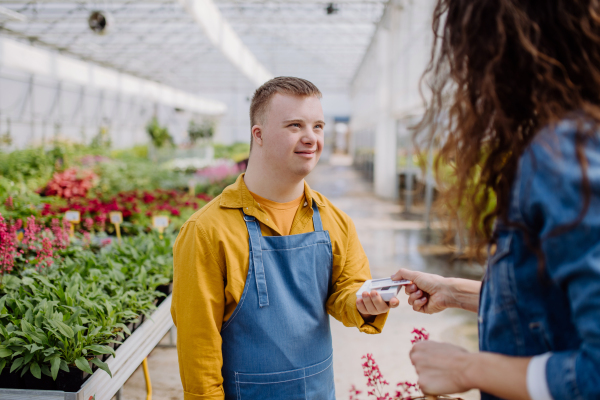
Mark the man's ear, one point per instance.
(257, 135)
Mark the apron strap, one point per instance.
(318, 225)
(259, 268)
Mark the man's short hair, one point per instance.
(282, 85)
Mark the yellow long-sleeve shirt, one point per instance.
(211, 261)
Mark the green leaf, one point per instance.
(55, 366)
(63, 328)
(64, 366)
(2, 365)
(83, 365)
(16, 364)
(4, 352)
(101, 349)
(46, 370)
(27, 358)
(35, 370)
(102, 365)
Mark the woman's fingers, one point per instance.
(415, 296)
(409, 289)
(419, 303)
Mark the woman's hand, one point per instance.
(428, 293)
(372, 304)
(431, 293)
(446, 369)
(441, 367)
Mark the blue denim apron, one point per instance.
(277, 343)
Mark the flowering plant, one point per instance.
(137, 208)
(70, 184)
(34, 245)
(404, 390)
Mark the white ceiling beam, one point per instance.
(222, 35)
(46, 63)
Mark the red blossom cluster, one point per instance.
(405, 390)
(419, 335)
(8, 246)
(375, 379)
(37, 247)
(70, 183)
(135, 206)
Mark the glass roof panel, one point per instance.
(158, 40)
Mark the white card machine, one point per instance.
(386, 287)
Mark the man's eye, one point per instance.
(297, 125)
(319, 126)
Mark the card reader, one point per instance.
(386, 287)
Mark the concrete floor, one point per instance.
(391, 242)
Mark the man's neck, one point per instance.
(272, 184)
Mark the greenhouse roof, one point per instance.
(186, 44)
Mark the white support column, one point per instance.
(385, 174)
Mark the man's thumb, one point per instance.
(405, 274)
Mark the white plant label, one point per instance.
(73, 217)
(160, 222)
(116, 217)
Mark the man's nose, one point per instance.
(309, 136)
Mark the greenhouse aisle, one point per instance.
(391, 242)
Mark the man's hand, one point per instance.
(372, 304)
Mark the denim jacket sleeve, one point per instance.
(552, 197)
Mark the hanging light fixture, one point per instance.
(100, 22)
(331, 9)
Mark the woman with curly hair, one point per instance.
(515, 107)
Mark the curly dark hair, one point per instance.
(499, 72)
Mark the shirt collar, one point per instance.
(237, 195)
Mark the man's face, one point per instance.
(292, 133)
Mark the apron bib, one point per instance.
(277, 343)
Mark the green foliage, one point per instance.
(237, 152)
(70, 313)
(139, 152)
(197, 131)
(213, 189)
(159, 135)
(120, 175)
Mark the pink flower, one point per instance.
(89, 224)
(8, 246)
(419, 335)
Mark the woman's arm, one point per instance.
(431, 293)
(444, 368)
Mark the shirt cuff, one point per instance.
(537, 384)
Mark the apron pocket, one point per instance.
(314, 383)
(319, 381)
(274, 386)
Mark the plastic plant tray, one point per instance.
(128, 358)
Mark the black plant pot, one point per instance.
(119, 339)
(29, 381)
(10, 380)
(71, 381)
(166, 290)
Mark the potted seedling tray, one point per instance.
(100, 386)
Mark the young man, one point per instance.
(258, 269)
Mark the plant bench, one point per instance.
(129, 356)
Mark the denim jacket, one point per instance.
(526, 312)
